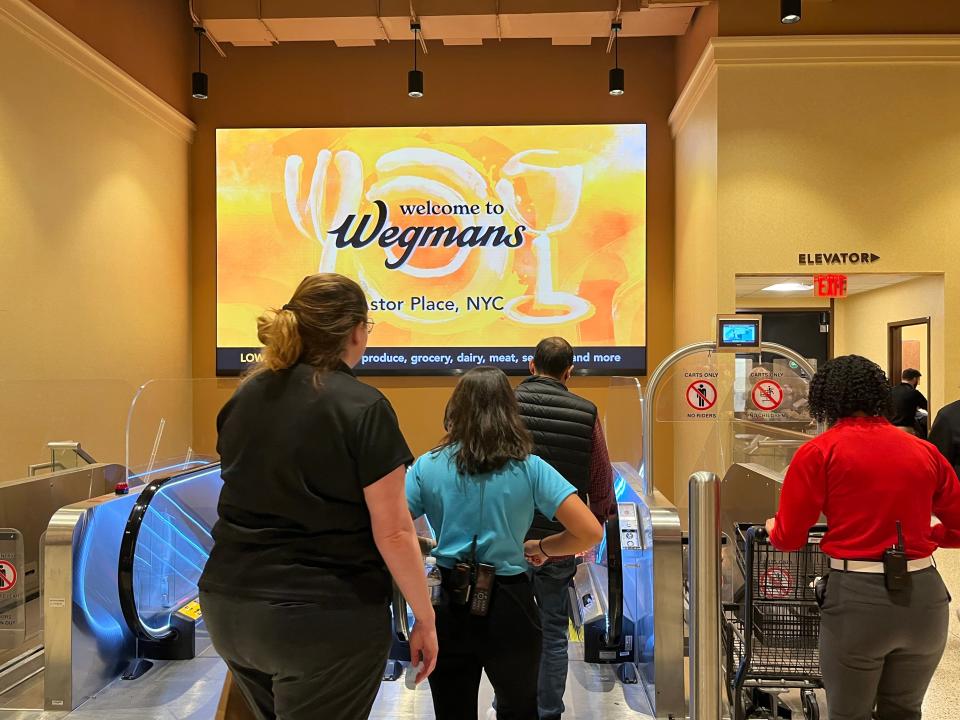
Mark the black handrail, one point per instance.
(128, 547)
(614, 583)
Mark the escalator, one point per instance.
(165, 545)
(26, 507)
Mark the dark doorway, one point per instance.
(802, 330)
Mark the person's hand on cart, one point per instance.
(770, 524)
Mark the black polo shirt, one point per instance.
(295, 458)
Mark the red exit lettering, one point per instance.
(830, 286)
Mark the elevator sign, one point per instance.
(830, 286)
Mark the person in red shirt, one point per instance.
(878, 647)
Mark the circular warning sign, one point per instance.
(8, 576)
(776, 583)
(701, 395)
(767, 395)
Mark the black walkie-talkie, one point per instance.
(895, 572)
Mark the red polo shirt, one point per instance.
(864, 475)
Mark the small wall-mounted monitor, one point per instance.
(738, 333)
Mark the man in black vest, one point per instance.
(567, 434)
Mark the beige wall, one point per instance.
(820, 144)
(93, 247)
(861, 326)
(815, 156)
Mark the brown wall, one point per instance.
(306, 85)
(842, 17)
(151, 40)
(705, 25)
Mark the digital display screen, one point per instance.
(739, 333)
(471, 243)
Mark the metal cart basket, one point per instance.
(771, 638)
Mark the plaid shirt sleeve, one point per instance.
(602, 500)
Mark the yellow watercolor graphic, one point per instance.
(574, 194)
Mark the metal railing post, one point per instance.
(704, 561)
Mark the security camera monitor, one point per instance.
(738, 333)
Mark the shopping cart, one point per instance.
(771, 637)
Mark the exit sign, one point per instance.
(830, 286)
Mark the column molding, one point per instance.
(60, 42)
(809, 50)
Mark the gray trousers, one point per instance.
(300, 661)
(881, 648)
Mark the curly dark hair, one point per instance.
(849, 385)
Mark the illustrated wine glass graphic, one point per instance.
(350, 167)
(544, 198)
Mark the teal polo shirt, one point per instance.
(451, 502)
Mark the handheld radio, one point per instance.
(895, 573)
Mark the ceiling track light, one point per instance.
(790, 11)
(415, 77)
(200, 83)
(616, 72)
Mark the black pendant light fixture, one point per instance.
(790, 11)
(415, 77)
(200, 77)
(616, 72)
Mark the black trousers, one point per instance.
(506, 644)
(878, 646)
(300, 661)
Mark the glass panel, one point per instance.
(772, 415)
(728, 409)
(12, 620)
(43, 423)
(695, 398)
(173, 545)
(171, 433)
(172, 426)
(623, 421)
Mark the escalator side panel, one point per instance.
(87, 643)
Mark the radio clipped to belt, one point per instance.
(472, 582)
(896, 573)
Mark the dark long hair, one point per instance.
(483, 419)
(849, 385)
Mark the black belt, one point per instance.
(518, 579)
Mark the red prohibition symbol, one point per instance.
(701, 395)
(767, 395)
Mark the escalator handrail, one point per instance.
(614, 583)
(128, 547)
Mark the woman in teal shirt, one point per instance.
(479, 490)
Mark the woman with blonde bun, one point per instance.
(312, 519)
